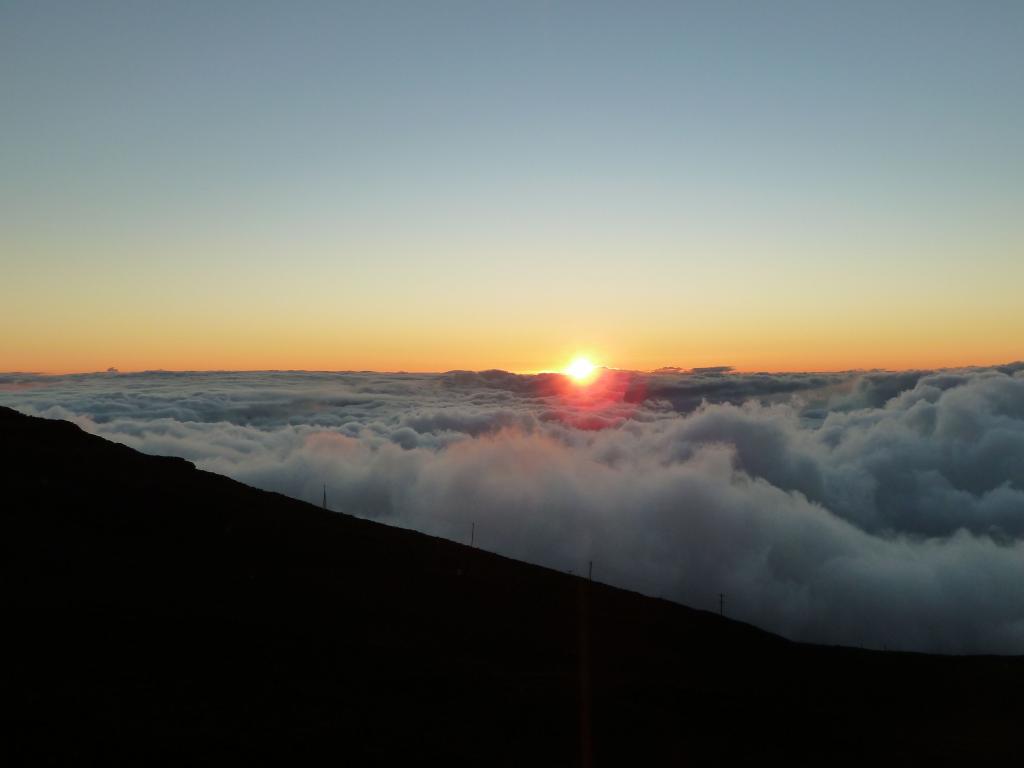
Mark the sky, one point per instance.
(428, 186)
(879, 509)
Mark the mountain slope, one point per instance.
(165, 614)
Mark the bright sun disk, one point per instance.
(580, 370)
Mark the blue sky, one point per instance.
(706, 168)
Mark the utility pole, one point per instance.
(325, 495)
(721, 604)
(590, 572)
(472, 533)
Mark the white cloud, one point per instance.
(884, 509)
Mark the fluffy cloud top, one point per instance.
(883, 509)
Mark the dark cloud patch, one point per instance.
(687, 391)
(878, 508)
(683, 390)
(873, 390)
(1010, 368)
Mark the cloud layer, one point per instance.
(879, 509)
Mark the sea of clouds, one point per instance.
(877, 509)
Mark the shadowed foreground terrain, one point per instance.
(163, 614)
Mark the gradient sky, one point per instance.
(427, 186)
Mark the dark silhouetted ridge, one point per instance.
(163, 614)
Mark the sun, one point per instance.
(580, 370)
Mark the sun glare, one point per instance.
(580, 370)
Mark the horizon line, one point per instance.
(721, 370)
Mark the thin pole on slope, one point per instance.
(590, 571)
(325, 495)
(472, 533)
(721, 604)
